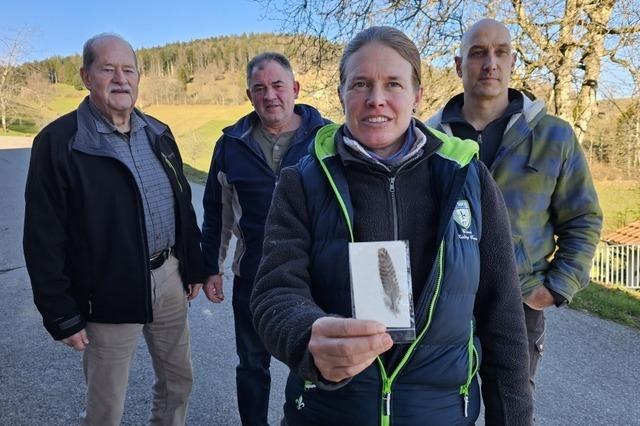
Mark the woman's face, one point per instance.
(378, 97)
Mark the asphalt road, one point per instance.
(589, 374)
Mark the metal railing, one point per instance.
(617, 264)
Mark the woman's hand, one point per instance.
(343, 347)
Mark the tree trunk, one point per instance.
(562, 95)
(586, 105)
(562, 85)
(3, 114)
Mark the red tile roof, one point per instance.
(629, 234)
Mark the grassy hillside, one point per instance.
(65, 99)
(610, 302)
(197, 127)
(42, 104)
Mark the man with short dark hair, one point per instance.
(111, 240)
(540, 168)
(246, 164)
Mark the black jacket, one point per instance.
(85, 243)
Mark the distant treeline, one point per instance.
(181, 60)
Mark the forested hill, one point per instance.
(179, 72)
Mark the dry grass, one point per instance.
(620, 202)
(197, 128)
(65, 100)
(184, 119)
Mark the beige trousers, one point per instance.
(108, 357)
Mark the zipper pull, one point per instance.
(387, 403)
(466, 405)
(464, 391)
(90, 308)
(392, 184)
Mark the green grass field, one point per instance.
(66, 99)
(620, 202)
(609, 302)
(197, 128)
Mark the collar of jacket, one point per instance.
(329, 138)
(352, 151)
(90, 141)
(520, 128)
(532, 111)
(452, 111)
(311, 120)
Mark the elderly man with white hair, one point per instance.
(111, 241)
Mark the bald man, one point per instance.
(540, 168)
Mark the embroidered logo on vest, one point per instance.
(462, 214)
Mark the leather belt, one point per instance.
(157, 260)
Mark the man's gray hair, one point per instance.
(258, 60)
(89, 53)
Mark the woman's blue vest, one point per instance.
(434, 381)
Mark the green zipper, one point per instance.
(166, 160)
(387, 381)
(471, 371)
(341, 203)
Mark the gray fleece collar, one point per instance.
(361, 151)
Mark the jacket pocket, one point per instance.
(173, 169)
(523, 261)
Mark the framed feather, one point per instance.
(381, 286)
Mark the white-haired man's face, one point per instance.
(112, 78)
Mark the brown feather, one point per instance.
(389, 281)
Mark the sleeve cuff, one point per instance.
(558, 299)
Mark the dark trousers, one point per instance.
(253, 379)
(535, 334)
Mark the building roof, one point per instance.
(629, 234)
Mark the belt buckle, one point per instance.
(160, 257)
